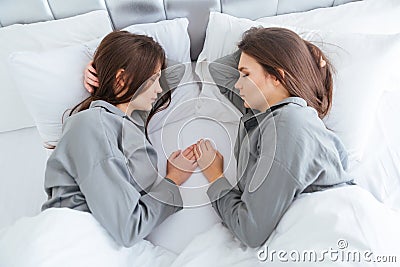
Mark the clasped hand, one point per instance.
(181, 165)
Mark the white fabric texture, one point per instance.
(379, 171)
(176, 232)
(345, 219)
(357, 58)
(171, 34)
(65, 237)
(22, 165)
(367, 16)
(39, 37)
(174, 38)
(314, 222)
(50, 88)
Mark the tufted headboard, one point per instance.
(128, 12)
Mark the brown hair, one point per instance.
(139, 56)
(307, 71)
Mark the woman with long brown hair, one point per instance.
(104, 163)
(284, 88)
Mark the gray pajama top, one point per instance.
(103, 164)
(280, 154)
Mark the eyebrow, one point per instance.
(242, 68)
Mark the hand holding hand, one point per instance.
(210, 161)
(181, 165)
(90, 78)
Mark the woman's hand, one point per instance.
(210, 161)
(90, 78)
(181, 165)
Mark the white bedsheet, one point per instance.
(178, 230)
(63, 237)
(22, 165)
(346, 219)
(379, 170)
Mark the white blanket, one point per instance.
(64, 238)
(347, 220)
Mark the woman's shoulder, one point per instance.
(88, 129)
(295, 124)
(297, 117)
(99, 126)
(87, 122)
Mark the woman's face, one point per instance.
(257, 88)
(144, 101)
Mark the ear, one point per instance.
(282, 73)
(120, 78)
(276, 82)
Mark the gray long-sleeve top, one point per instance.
(280, 154)
(103, 164)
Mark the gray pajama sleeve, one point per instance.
(172, 75)
(252, 216)
(120, 208)
(126, 214)
(225, 74)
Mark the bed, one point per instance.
(38, 83)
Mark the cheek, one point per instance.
(148, 93)
(252, 89)
(248, 86)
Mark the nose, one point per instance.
(158, 88)
(238, 84)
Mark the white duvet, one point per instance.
(344, 222)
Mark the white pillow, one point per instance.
(174, 38)
(367, 16)
(171, 34)
(51, 82)
(37, 37)
(364, 65)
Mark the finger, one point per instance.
(192, 156)
(209, 145)
(198, 146)
(92, 83)
(90, 76)
(91, 68)
(203, 146)
(194, 164)
(196, 152)
(219, 154)
(88, 87)
(187, 151)
(174, 154)
(178, 153)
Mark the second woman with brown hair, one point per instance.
(284, 89)
(103, 163)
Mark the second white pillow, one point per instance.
(364, 68)
(51, 82)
